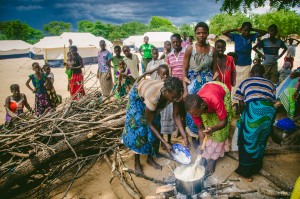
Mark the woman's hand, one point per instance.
(168, 148)
(186, 142)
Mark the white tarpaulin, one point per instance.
(14, 49)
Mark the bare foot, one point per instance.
(249, 179)
(153, 163)
(137, 164)
(138, 168)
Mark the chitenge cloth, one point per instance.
(254, 128)
(137, 135)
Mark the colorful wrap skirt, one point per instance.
(137, 135)
(76, 86)
(254, 128)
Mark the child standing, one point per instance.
(124, 80)
(39, 80)
(270, 53)
(68, 70)
(243, 48)
(76, 84)
(154, 63)
(15, 103)
(115, 60)
(226, 66)
(54, 99)
(104, 73)
(291, 52)
(167, 50)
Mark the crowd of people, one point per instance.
(194, 88)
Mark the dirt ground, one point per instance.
(96, 182)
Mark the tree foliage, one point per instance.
(224, 21)
(288, 22)
(56, 28)
(158, 22)
(17, 30)
(189, 29)
(231, 6)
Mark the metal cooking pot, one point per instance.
(188, 187)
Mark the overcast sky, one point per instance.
(36, 13)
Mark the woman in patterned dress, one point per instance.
(142, 126)
(199, 65)
(257, 95)
(211, 111)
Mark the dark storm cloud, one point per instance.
(39, 12)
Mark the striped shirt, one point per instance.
(255, 88)
(150, 91)
(176, 63)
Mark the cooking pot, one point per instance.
(188, 187)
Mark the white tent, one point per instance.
(13, 49)
(54, 49)
(158, 38)
(135, 41)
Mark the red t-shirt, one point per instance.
(213, 94)
(226, 77)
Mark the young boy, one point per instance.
(270, 53)
(226, 66)
(132, 61)
(154, 63)
(243, 46)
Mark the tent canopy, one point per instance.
(155, 38)
(14, 49)
(55, 48)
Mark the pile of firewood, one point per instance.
(37, 151)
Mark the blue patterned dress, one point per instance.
(199, 73)
(137, 134)
(255, 124)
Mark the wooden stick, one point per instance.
(279, 183)
(140, 175)
(237, 192)
(274, 193)
(123, 182)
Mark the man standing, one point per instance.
(145, 51)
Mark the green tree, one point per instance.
(56, 28)
(188, 29)
(133, 28)
(157, 22)
(85, 26)
(288, 22)
(231, 6)
(224, 21)
(17, 30)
